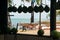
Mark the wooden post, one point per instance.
(53, 16)
(59, 4)
(3, 16)
(32, 14)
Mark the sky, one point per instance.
(28, 15)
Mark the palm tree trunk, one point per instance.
(40, 19)
(32, 14)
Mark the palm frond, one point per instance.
(9, 2)
(38, 2)
(58, 12)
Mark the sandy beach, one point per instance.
(45, 26)
(34, 32)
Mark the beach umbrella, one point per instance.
(25, 9)
(19, 9)
(46, 8)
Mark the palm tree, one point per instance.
(9, 2)
(37, 1)
(32, 4)
(57, 13)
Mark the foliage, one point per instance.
(40, 32)
(46, 8)
(37, 1)
(9, 2)
(57, 9)
(8, 30)
(36, 7)
(57, 12)
(13, 30)
(40, 8)
(30, 9)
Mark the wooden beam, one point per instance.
(32, 14)
(10, 15)
(53, 16)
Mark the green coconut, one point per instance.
(55, 34)
(46, 8)
(19, 9)
(25, 9)
(30, 9)
(36, 9)
(40, 32)
(40, 8)
(14, 9)
(10, 9)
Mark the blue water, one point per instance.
(25, 20)
(21, 20)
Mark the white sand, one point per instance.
(34, 32)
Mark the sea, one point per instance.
(25, 20)
(22, 20)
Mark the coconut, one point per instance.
(36, 9)
(46, 8)
(40, 8)
(19, 9)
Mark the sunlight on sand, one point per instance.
(34, 32)
(45, 27)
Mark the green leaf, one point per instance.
(38, 2)
(58, 12)
(9, 2)
(28, 0)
